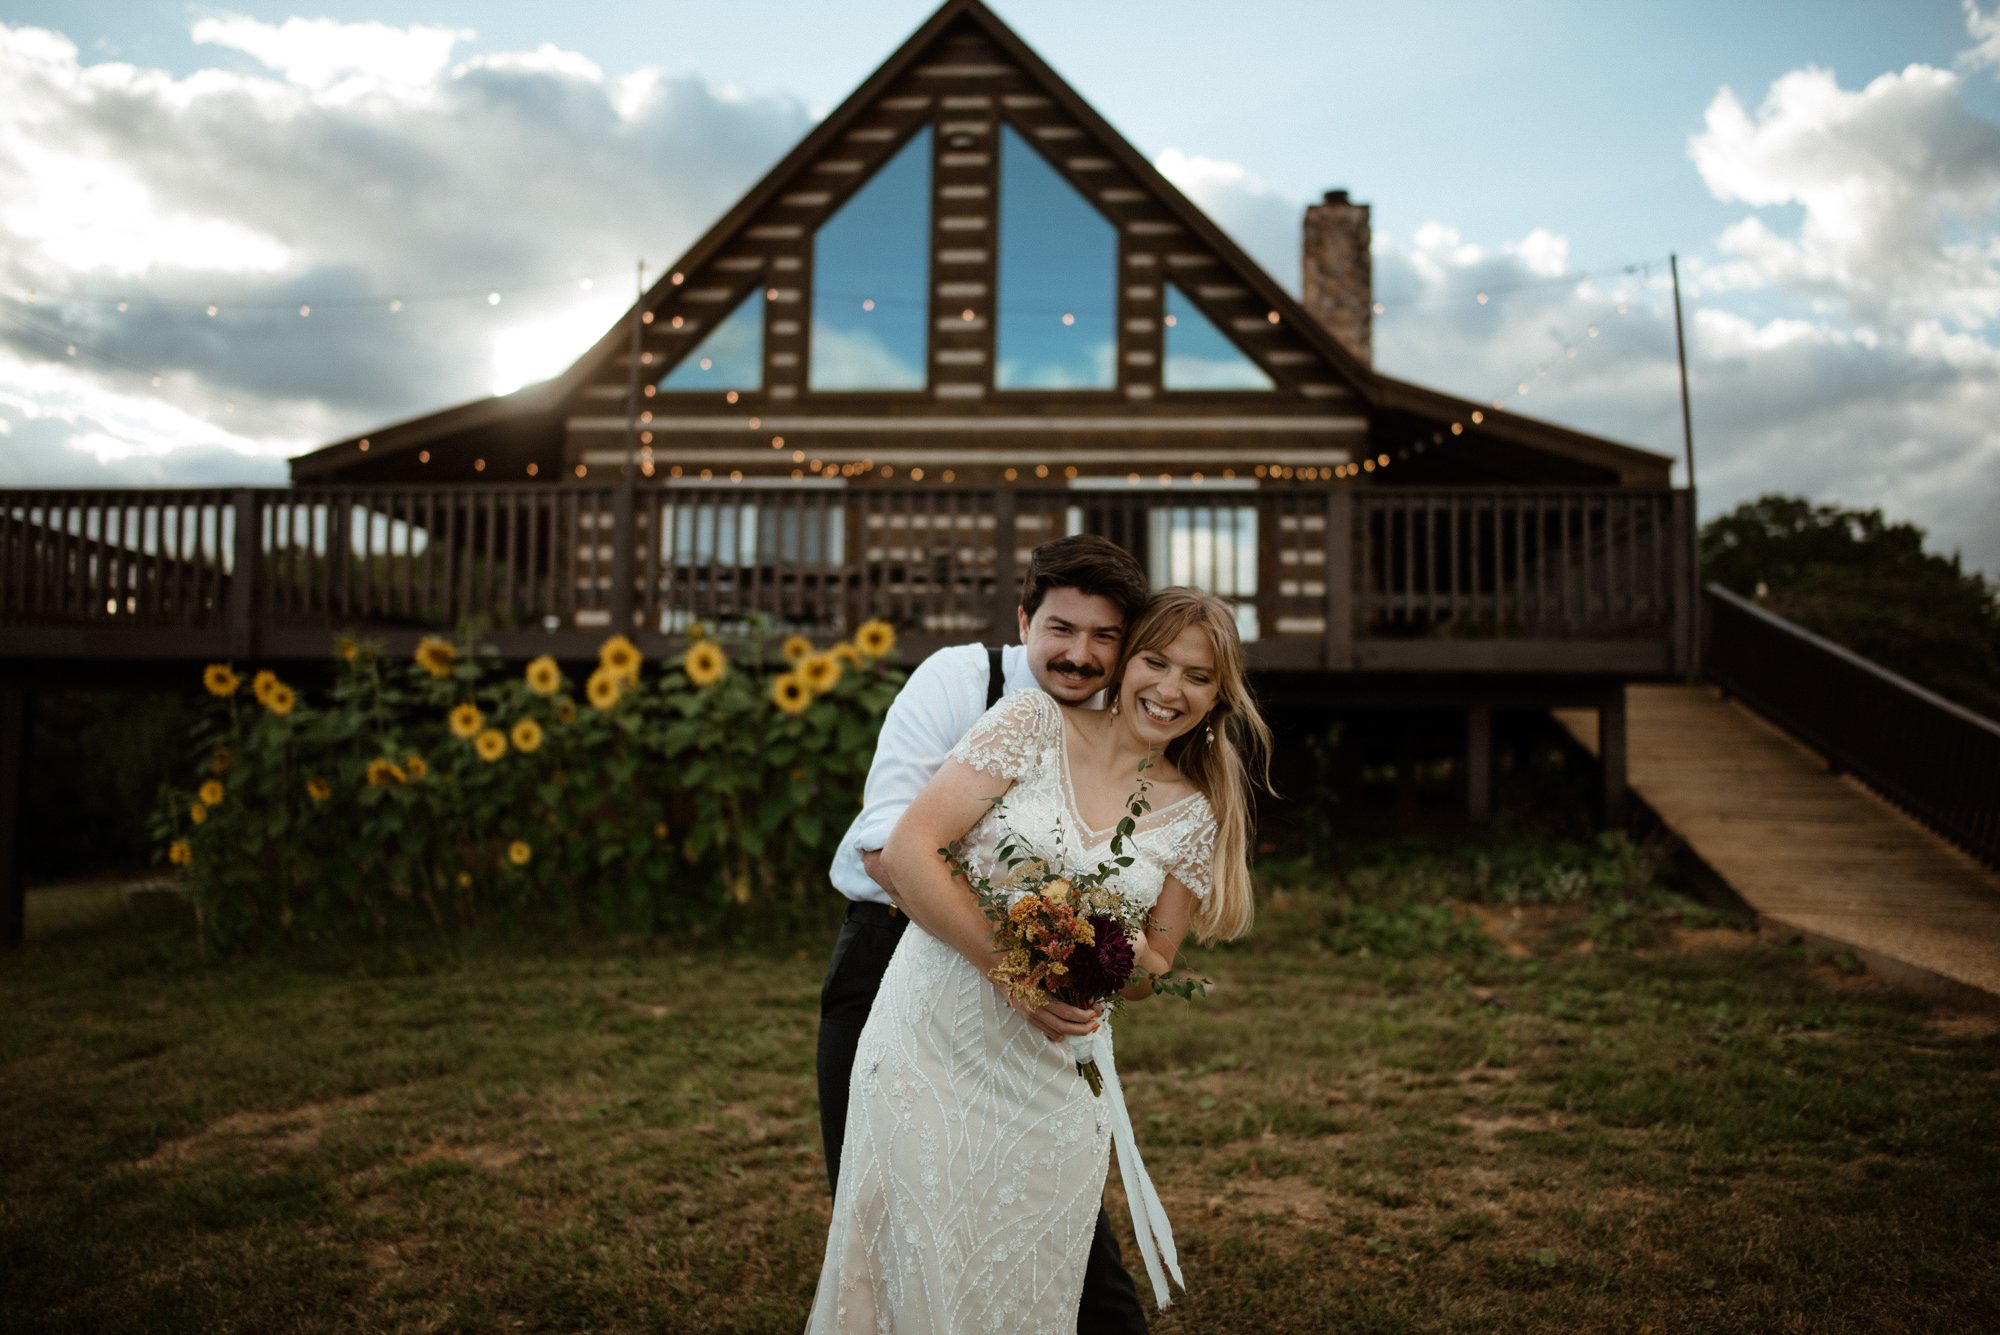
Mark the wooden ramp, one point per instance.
(1808, 850)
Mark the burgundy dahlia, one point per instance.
(1099, 970)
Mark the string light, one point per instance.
(534, 469)
(916, 475)
(868, 303)
(492, 298)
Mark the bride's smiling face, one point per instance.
(1169, 689)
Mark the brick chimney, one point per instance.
(1339, 281)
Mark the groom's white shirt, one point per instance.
(938, 705)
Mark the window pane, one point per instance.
(1058, 325)
(871, 280)
(1199, 356)
(731, 357)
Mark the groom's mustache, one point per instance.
(1075, 669)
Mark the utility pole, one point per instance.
(1687, 445)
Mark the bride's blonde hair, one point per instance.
(1221, 768)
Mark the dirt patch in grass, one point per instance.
(1965, 1024)
(262, 1134)
(1707, 940)
(490, 1157)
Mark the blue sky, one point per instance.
(1829, 173)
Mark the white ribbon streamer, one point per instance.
(1149, 1218)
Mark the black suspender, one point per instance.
(993, 677)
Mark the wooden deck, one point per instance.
(1810, 851)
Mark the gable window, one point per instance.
(871, 280)
(731, 357)
(1200, 356)
(1058, 280)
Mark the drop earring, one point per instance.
(1114, 706)
(1208, 731)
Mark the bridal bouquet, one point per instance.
(1066, 938)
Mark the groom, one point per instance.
(1077, 597)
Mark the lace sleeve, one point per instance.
(1192, 857)
(1009, 739)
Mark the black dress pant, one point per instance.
(860, 956)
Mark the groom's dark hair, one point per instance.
(1089, 564)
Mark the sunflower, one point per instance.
(846, 654)
(619, 656)
(466, 721)
(491, 743)
(660, 830)
(790, 693)
(261, 684)
(705, 663)
(527, 736)
(465, 880)
(697, 630)
(604, 689)
(418, 767)
(279, 699)
(821, 672)
(519, 852)
(197, 813)
(544, 677)
(797, 649)
(875, 638)
(210, 792)
(435, 656)
(220, 681)
(347, 648)
(565, 710)
(180, 852)
(385, 773)
(319, 790)
(219, 758)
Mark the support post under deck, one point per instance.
(1611, 753)
(13, 761)
(1478, 761)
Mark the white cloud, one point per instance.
(1888, 182)
(317, 53)
(1984, 29)
(1264, 223)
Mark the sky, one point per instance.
(397, 207)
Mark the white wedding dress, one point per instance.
(975, 1156)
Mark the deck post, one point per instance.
(246, 545)
(1478, 761)
(1611, 753)
(1006, 582)
(1686, 582)
(13, 764)
(1338, 571)
(624, 540)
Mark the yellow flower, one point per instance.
(319, 790)
(527, 735)
(197, 813)
(219, 680)
(218, 760)
(347, 648)
(846, 654)
(544, 677)
(697, 630)
(821, 672)
(180, 852)
(279, 699)
(565, 710)
(519, 852)
(875, 638)
(1058, 891)
(1024, 909)
(385, 773)
(604, 688)
(261, 684)
(210, 792)
(797, 649)
(491, 743)
(660, 830)
(620, 656)
(790, 693)
(435, 656)
(418, 767)
(705, 663)
(466, 720)
(464, 879)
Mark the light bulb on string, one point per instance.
(586, 284)
(305, 311)
(1481, 298)
(868, 303)
(1068, 318)
(211, 312)
(122, 306)
(395, 305)
(1171, 321)
(492, 298)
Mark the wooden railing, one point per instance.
(1585, 580)
(1938, 761)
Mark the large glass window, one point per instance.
(731, 357)
(1200, 356)
(1058, 298)
(871, 280)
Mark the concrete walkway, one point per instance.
(1811, 852)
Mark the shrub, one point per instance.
(707, 792)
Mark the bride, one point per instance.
(975, 1154)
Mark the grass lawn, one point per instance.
(1455, 1087)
